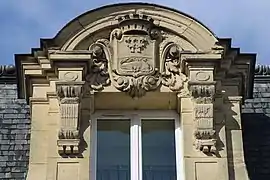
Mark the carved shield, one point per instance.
(134, 55)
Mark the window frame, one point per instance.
(135, 118)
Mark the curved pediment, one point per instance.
(80, 32)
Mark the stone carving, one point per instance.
(136, 44)
(205, 136)
(169, 38)
(68, 137)
(202, 76)
(202, 93)
(135, 66)
(137, 87)
(134, 55)
(99, 75)
(171, 75)
(70, 76)
(204, 111)
(135, 59)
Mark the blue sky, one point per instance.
(24, 22)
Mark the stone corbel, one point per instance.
(203, 93)
(69, 93)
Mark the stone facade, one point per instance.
(134, 57)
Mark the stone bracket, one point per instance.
(69, 94)
(203, 96)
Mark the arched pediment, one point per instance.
(193, 35)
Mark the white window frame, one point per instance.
(135, 138)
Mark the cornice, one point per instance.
(238, 64)
(7, 74)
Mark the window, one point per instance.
(136, 145)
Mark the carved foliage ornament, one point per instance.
(131, 59)
(171, 75)
(205, 136)
(99, 74)
(202, 93)
(69, 100)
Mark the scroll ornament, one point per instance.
(99, 77)
(172, 76)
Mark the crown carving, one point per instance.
(135, 22)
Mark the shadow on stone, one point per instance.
(256, 140)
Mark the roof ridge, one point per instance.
(262, 70)
(7, 70)
(7, 74)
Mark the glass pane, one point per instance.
(113, 150)
(158, 150)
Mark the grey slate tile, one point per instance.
(14, 134)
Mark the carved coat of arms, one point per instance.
(134, 56)
(136, 59)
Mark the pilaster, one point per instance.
(202, 134)
(236, 162)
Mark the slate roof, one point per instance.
(14, 128)
(256, 126)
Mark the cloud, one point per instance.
(24, 22)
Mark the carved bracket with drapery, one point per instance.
(69, 94)
(203, 96)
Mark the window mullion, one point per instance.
(139, 147)
(135, 149)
